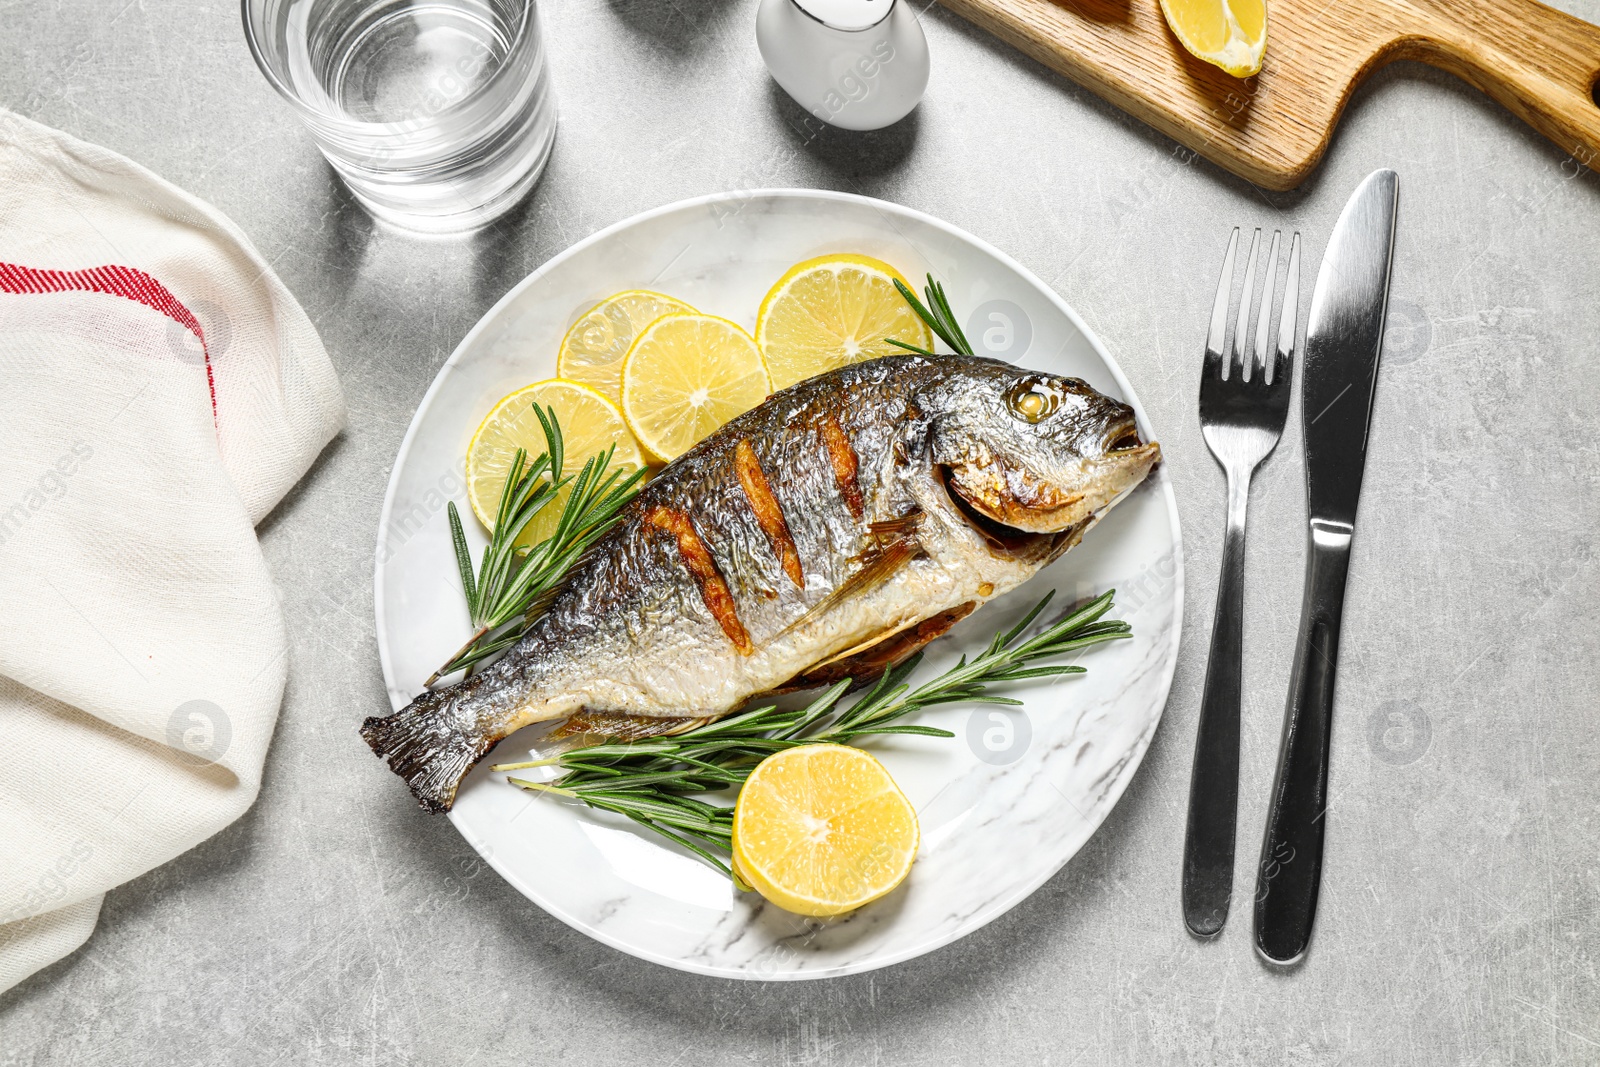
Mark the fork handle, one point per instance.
(1214, 783)
(1290, 875)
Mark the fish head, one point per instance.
(1035, 453)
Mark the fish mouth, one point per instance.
(1124, 437)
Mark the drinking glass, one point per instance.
(436, 113)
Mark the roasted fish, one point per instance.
(829, 532)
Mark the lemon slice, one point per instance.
(595, 346)
(830, 311)
(589, 423)
(1231, 34)
(685, 376)
(823, 829)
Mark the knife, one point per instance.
(1344, 334)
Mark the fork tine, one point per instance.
(1259, 361)
(1289, 314)
(1217, 335)
(1241, 325)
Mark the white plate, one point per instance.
(1003, 805)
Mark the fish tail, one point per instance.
(431, 744)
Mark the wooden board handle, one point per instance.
(1273, 128)
(1542, 64)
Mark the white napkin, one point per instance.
(160, 391)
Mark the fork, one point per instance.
(1243, 403)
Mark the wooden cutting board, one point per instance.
(1274, 127)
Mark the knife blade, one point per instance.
(1344, 337)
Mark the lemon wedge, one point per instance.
(595, 346)
(823, 829)
(830, 311)
(1231, 34)
(685, 376)
(589, 424)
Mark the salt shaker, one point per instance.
(857, 64)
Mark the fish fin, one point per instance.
(868, 660)
(891, 545)
(428, 745)
(898, 527)
(860, 649)
(917, 634)
(621, 726)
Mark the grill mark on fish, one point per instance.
(842, 458)
(697, 558)
(768, 513)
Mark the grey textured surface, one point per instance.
(1460, 921)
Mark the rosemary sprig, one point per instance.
(937, 314)
(513, 586)
(655, 782)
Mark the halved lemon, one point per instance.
(1231, 34)
(823, 829)
(830, 311)
(595, 346)
(589, 424)
(685, 376)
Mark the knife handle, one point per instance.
(1208, 840)
(1291, 855)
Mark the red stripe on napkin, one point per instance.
(125, 282)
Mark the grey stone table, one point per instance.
(1460, 921)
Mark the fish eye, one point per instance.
(1034, 398)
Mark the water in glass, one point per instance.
(437, 113)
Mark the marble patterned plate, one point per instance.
(1003, 805)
